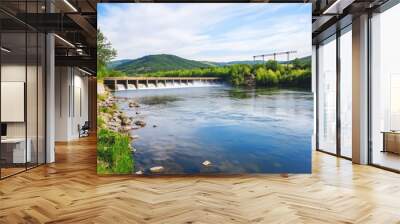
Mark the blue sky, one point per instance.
(206, 31)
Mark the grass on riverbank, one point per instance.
(114, 150)
(114, 154)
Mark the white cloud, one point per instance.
(213, 32)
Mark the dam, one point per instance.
(135, 83)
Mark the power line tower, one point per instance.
(274, 54)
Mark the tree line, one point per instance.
(268, 74)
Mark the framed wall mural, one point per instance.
(204, 88)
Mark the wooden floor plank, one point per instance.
(70, 191)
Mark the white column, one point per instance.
(50, 101)
(63, 101)
(360, 90)
(314, 91)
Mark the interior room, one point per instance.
(44, 88)
(385, 89)
(22, 99)
(48, 128)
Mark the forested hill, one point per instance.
(167, 62)
(154, 63)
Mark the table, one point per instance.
(391, 141)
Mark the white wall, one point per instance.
(33, 126)
(12, 73)
(62, 83)
(70, 83)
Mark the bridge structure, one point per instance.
(274, 54)
(118, 83)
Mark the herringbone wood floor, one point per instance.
(69, 191)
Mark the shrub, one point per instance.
(114, 153)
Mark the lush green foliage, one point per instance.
(113, 153)
(153, 63)
(270, 73)
(106, 72)
(105, 53)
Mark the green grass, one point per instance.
(114, 154)
(101, 97)
(107, 110)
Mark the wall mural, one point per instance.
(204, 88)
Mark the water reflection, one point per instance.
(237, 130)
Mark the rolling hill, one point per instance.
(163, 62)
(153, 63)
(115, 63)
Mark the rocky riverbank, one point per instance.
(114, 126)
(114, 118)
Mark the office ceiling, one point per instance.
(76, 21)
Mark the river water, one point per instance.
(238, 130)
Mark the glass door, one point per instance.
(346, 92)
(385, 89)
(326, 85)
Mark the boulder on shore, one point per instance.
(125, 128)
(133, 137)
(140, 123)
(157, 169)
(133, 104)
(125, 120)
(206, 163)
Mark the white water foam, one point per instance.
(121, 87)
(131, 87)
(167, 85)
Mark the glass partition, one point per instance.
(346, 93)
(385, 89)
(13, 92)
(22, 88)
(327, 95)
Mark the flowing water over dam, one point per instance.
(237, 130)
(167, 85)
(135, 83)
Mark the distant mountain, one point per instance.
(115, 63)
(153, 63)
(239, 63)
(306, 59)
(163, 62)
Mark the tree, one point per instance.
(261, 75)
(105, 51)
(272, 78)
(237, 76)
(296, 63)
(271, 64)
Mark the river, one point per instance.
(237, 130)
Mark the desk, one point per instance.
(391, 141)
(16, 147)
